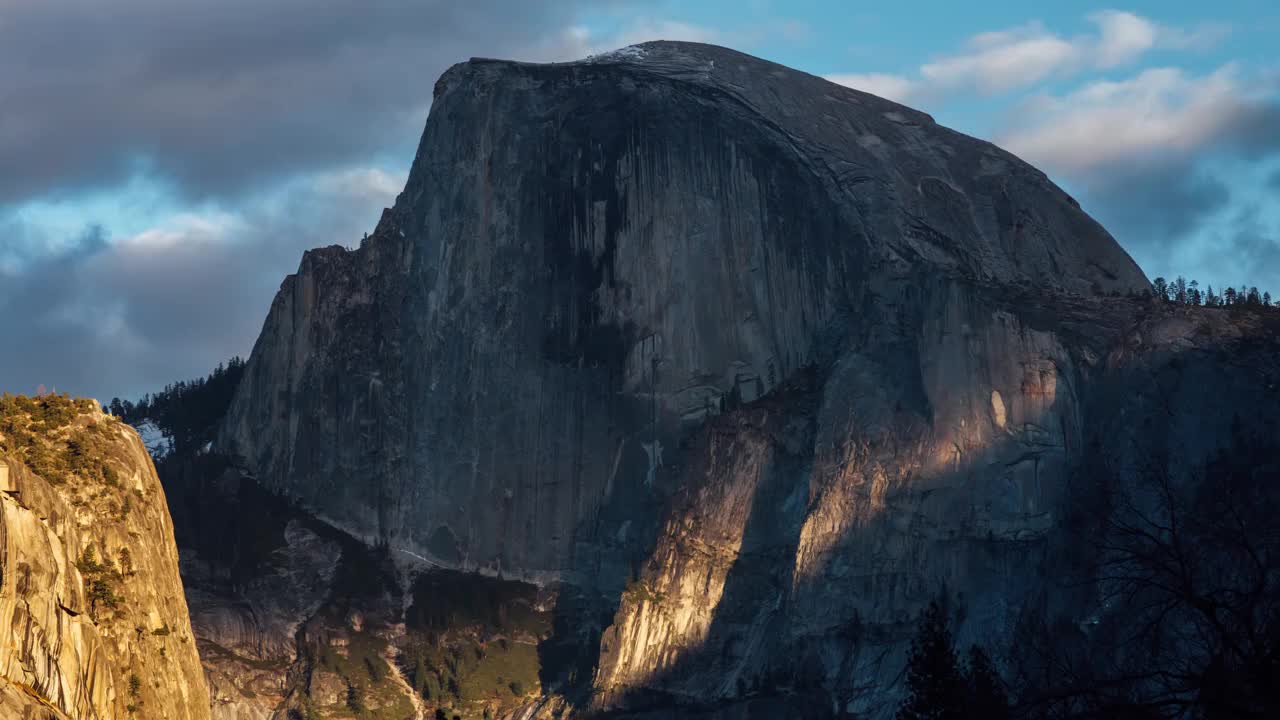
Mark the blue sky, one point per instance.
(163, 170)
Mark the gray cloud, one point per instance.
(1153, 206)
(1141, 154)
(1273, 181)
(1246, 251)
(217, 95)
(230, 100)
(126, 316)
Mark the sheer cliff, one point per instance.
(94, 620)
(583, 248)
(759, 363)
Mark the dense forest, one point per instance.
(187, 411)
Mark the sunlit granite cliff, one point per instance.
(93, 620)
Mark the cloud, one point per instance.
(1156, 210)
(235, 115)
(221, 96)
(125, 316)
(1245, 251)
(1158, 116)
(893, 87)
(1273, 180)
(1001, 61)
(1147, 154)
(579, 41)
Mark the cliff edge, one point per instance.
(93, 621)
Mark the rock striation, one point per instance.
(763, 362)
(93, 621)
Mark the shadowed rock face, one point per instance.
(793, 357)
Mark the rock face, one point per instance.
(294, 618)
(790, 358)
(93, 617)
(581, 247)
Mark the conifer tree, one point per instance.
(987, 697)
(1161, 287)
(935, 687)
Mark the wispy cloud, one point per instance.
(578, 41)
(1145, 151)
(1005, 60)
(886, 85)
(1156, 116)
(1144, 154)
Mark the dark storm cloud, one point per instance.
(127, 316)
(1155, 204)
(219, 94)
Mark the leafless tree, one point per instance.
(1187, 574)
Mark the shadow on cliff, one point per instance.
(586, 603)
(838, 628)
(733, 671)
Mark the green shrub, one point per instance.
(100, 582)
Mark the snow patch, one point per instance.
(630, 52)
(158, 444)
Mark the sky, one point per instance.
(164, 163)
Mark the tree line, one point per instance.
(1188, 292)
(187, 411)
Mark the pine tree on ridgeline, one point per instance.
(1161, 287)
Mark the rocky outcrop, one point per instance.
(764, 362)
(95, 624)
